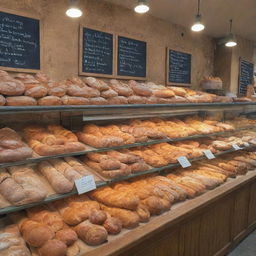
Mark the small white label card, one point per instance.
(208, 153)
(236, 147)
(246, 144)
(85, 184)
(184, 162)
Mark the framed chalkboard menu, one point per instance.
(96, 53)
(19, 42)
(178, 68)
(245, 76)
(131, 58)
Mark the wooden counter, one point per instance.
(210, 224)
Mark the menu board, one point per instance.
(245, 76)
(131, 58)
(97, 52)
(19, 42)
(178, 67)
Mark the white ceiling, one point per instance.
(216, 14)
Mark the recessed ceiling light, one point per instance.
(73, 10)
(141, 7)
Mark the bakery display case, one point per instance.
(161, 170)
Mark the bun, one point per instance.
(53, 247)
(20, 101)
(50, 101)
(2, 100)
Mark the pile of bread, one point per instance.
(26, 184)
(28, 90)
(61, 225)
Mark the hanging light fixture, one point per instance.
(198, 25)
(230, 39)
(142, 6)
(73, 10)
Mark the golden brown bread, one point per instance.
(90, 233)
(37, 92)
(97, 217)
(53, 247)
(98, 101)
(67, 236)
(49, 101)
(108, 94)
(11, 87)
(96, 83)
(69, 100)
(112, 225)
(83, 91)
(20, 101)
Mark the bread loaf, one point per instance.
(112, 225)
(97, 217)
(11, 87)
(83, 91)
(53, 247)
(165, 93)
(91, 234)
(69, 100)
(20, 101)
(37, 92)
(56, 89)
(98, 101)
(67, 236)
(121, 88)
(108, 94)
(140, 89)
(118, 100)
(96, 83)
(50, 101)
(2, 100)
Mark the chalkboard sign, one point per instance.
(131, 58)
(96, 52)
(19, 42)
(245, 76)
(178, 67)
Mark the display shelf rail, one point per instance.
(98, 150)
(159, 170)
(94, 109)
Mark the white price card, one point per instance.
(246, 144)
(85, 184)
(236, 147)
(208, 153)
(184, 162)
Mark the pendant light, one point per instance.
(142, 6)
(73, 10)
(198, 25)
(230, 39)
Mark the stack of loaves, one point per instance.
(28, 90)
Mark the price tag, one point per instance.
(85, 184)
(236, 147)
(184, 162)
(208, 153)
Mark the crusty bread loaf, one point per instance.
(165, 93)
(37, 92)
(118, 100)
(67, 236)
(121, 88)
(11, 87)
(98, 101)
(53, 247)
(20, 101)
(50, 101)
(83, 91)
(90, 233)
(140, 89)
(112, 225)
(108, 94)
(69, 100)
(96, 83)
(2, 100)
(97, 217)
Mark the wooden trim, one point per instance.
(80, 55)
(116, 63)
(26, 15)
(167, 68)
(180, 212)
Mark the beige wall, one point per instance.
(60, 36)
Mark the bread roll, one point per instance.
(37, 92)
(11, 87)
(20, 101)
(50, 101)
(112, 225)
(34, 233)
(53, 247)
(97, 217)
(69, 100)
(2, 100)
(91, 234)
(67, 236)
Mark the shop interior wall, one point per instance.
(60, 36)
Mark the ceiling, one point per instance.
(216, 14)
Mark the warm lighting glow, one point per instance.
(142, 7)
(74, 12)
(197, 27)
(230, 43)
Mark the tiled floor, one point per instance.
(247, 247)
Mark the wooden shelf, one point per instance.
(91, 149)
(159, 170)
